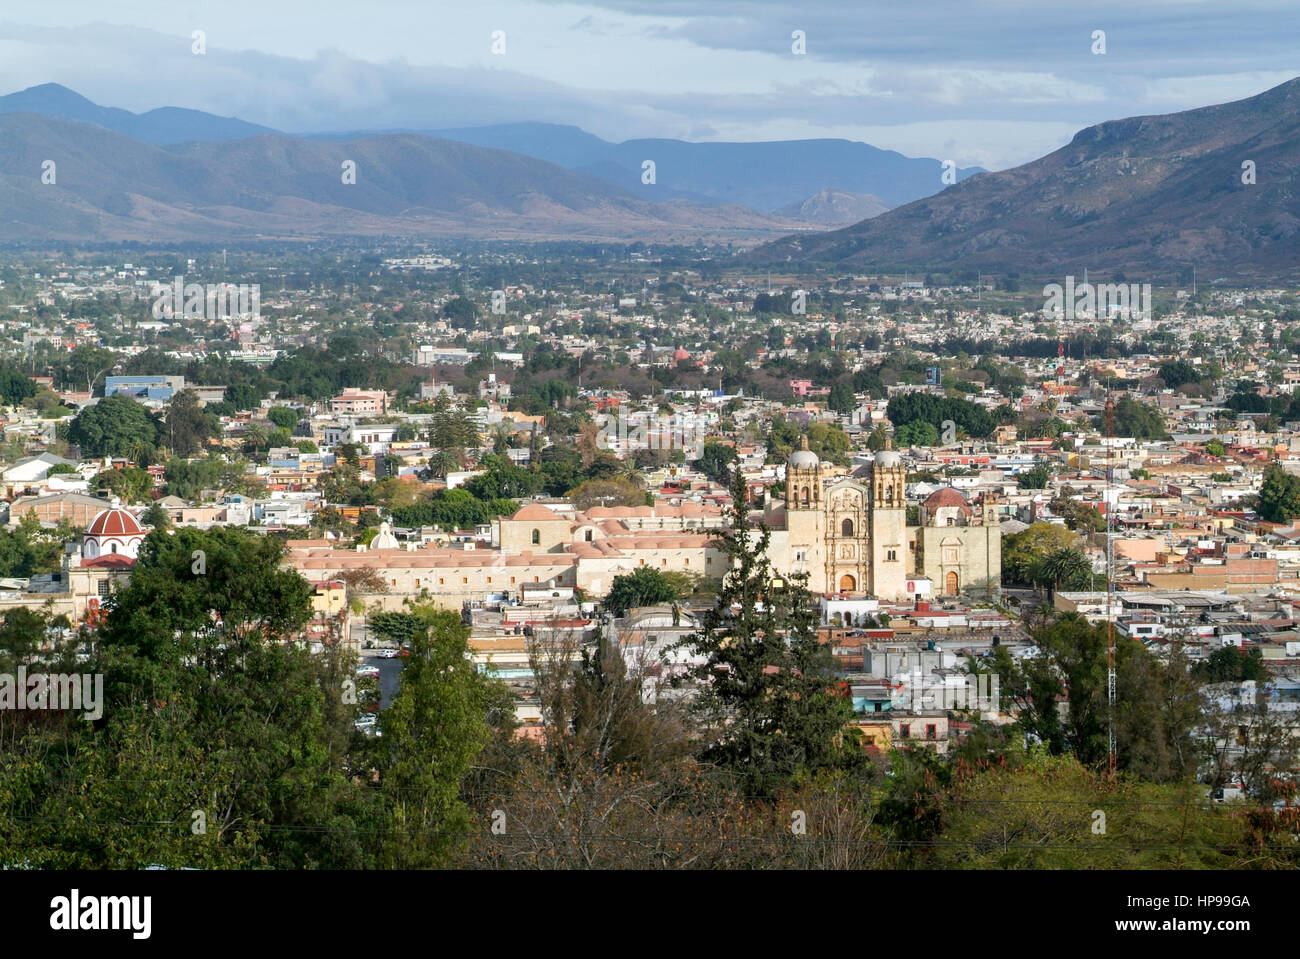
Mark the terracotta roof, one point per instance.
(533, 513)
(114, 522)
(947, 496)
(110, 561)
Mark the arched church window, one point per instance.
(846, 528)
(537, 537)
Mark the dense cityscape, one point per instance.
(938, 498)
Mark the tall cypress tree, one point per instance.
(766, 685)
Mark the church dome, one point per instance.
(803, 458)
(385, 539)
(113, 531)
(947, 497)
(114, 522)
(888, 458)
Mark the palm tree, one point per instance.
(140, 453)
(1063, 567)
(443, 462)
(254, 437)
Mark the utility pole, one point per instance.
(1111, 502)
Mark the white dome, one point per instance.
(803, 460)
(888, 458)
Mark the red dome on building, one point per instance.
(947, 497)
(113, 531)
(115, 522)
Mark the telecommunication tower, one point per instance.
(1111, 502)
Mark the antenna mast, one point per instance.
(1111, 501)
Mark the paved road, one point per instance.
(389, 671)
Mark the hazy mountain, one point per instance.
(1144, 193)
(164, 125)
(111, 187)
(835, 208)
(763, 175)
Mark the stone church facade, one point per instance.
(850, 534)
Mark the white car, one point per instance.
(367, 724)
(386, 654)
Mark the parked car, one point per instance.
(367, 724)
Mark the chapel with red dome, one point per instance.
(113, 531)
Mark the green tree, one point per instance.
(114, 426)
(917, 433)
(188, 425)
(829, 442)
(644, 586)
(1079, 516)
(606, 492)
(130, 484)
(841, 398)
(1036, 477)
(1279, 497)
(1136, 419)
(1055, 813)
(1231, 664)
(432, 732)
(715, 461)
(765, 686)
(1022, 551)
(283, 417)
(15, 387)
(1063, 568)
(210, 707)
(155, 517)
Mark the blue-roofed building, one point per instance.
(158, 388)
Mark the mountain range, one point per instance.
(110, 187)
(1217, 187)
(1214, 187)
(164, 125)
(763, 176)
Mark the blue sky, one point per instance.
(983, 82)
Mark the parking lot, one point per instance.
(389, 667)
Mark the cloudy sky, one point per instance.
(991, 83)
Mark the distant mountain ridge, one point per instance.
(836, 208)
(1142, 193)
(764, 176)
(162, 126)
(110, 187)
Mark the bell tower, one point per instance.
(803, 478)
(805, 516)
(887, 513)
